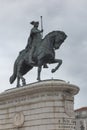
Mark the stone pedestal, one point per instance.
(45, 105)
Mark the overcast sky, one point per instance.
(69, 16)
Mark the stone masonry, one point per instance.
(45, 105)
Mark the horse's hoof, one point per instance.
(38, 79)
(53, 70)
(24, 84)
(18, 86)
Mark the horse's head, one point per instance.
(60, 36)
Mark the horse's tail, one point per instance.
(12, 78)
(14, 75)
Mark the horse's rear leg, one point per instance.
(18, 82)
(23, 81)
(59, 61)
(19, 75)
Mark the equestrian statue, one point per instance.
(38, 53)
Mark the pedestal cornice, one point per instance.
(37, 87)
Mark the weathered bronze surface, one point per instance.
(38, 52)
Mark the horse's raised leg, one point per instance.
(59, 61)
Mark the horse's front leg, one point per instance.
(59, 61)
(39, 70)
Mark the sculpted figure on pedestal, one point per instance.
(38, 52)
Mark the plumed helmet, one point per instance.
(34, 23)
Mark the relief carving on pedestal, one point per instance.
(18, 119)
(68, 104)
(69, 108)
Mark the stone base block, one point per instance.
(45, 105)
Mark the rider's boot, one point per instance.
(31, 61)
(45, 66)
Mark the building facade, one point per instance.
(81, 118)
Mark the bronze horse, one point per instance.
(44, 54)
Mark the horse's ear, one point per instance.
(66, 35)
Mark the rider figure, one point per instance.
(33, 41)
(36, 38)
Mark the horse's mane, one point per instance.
(51, 33)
